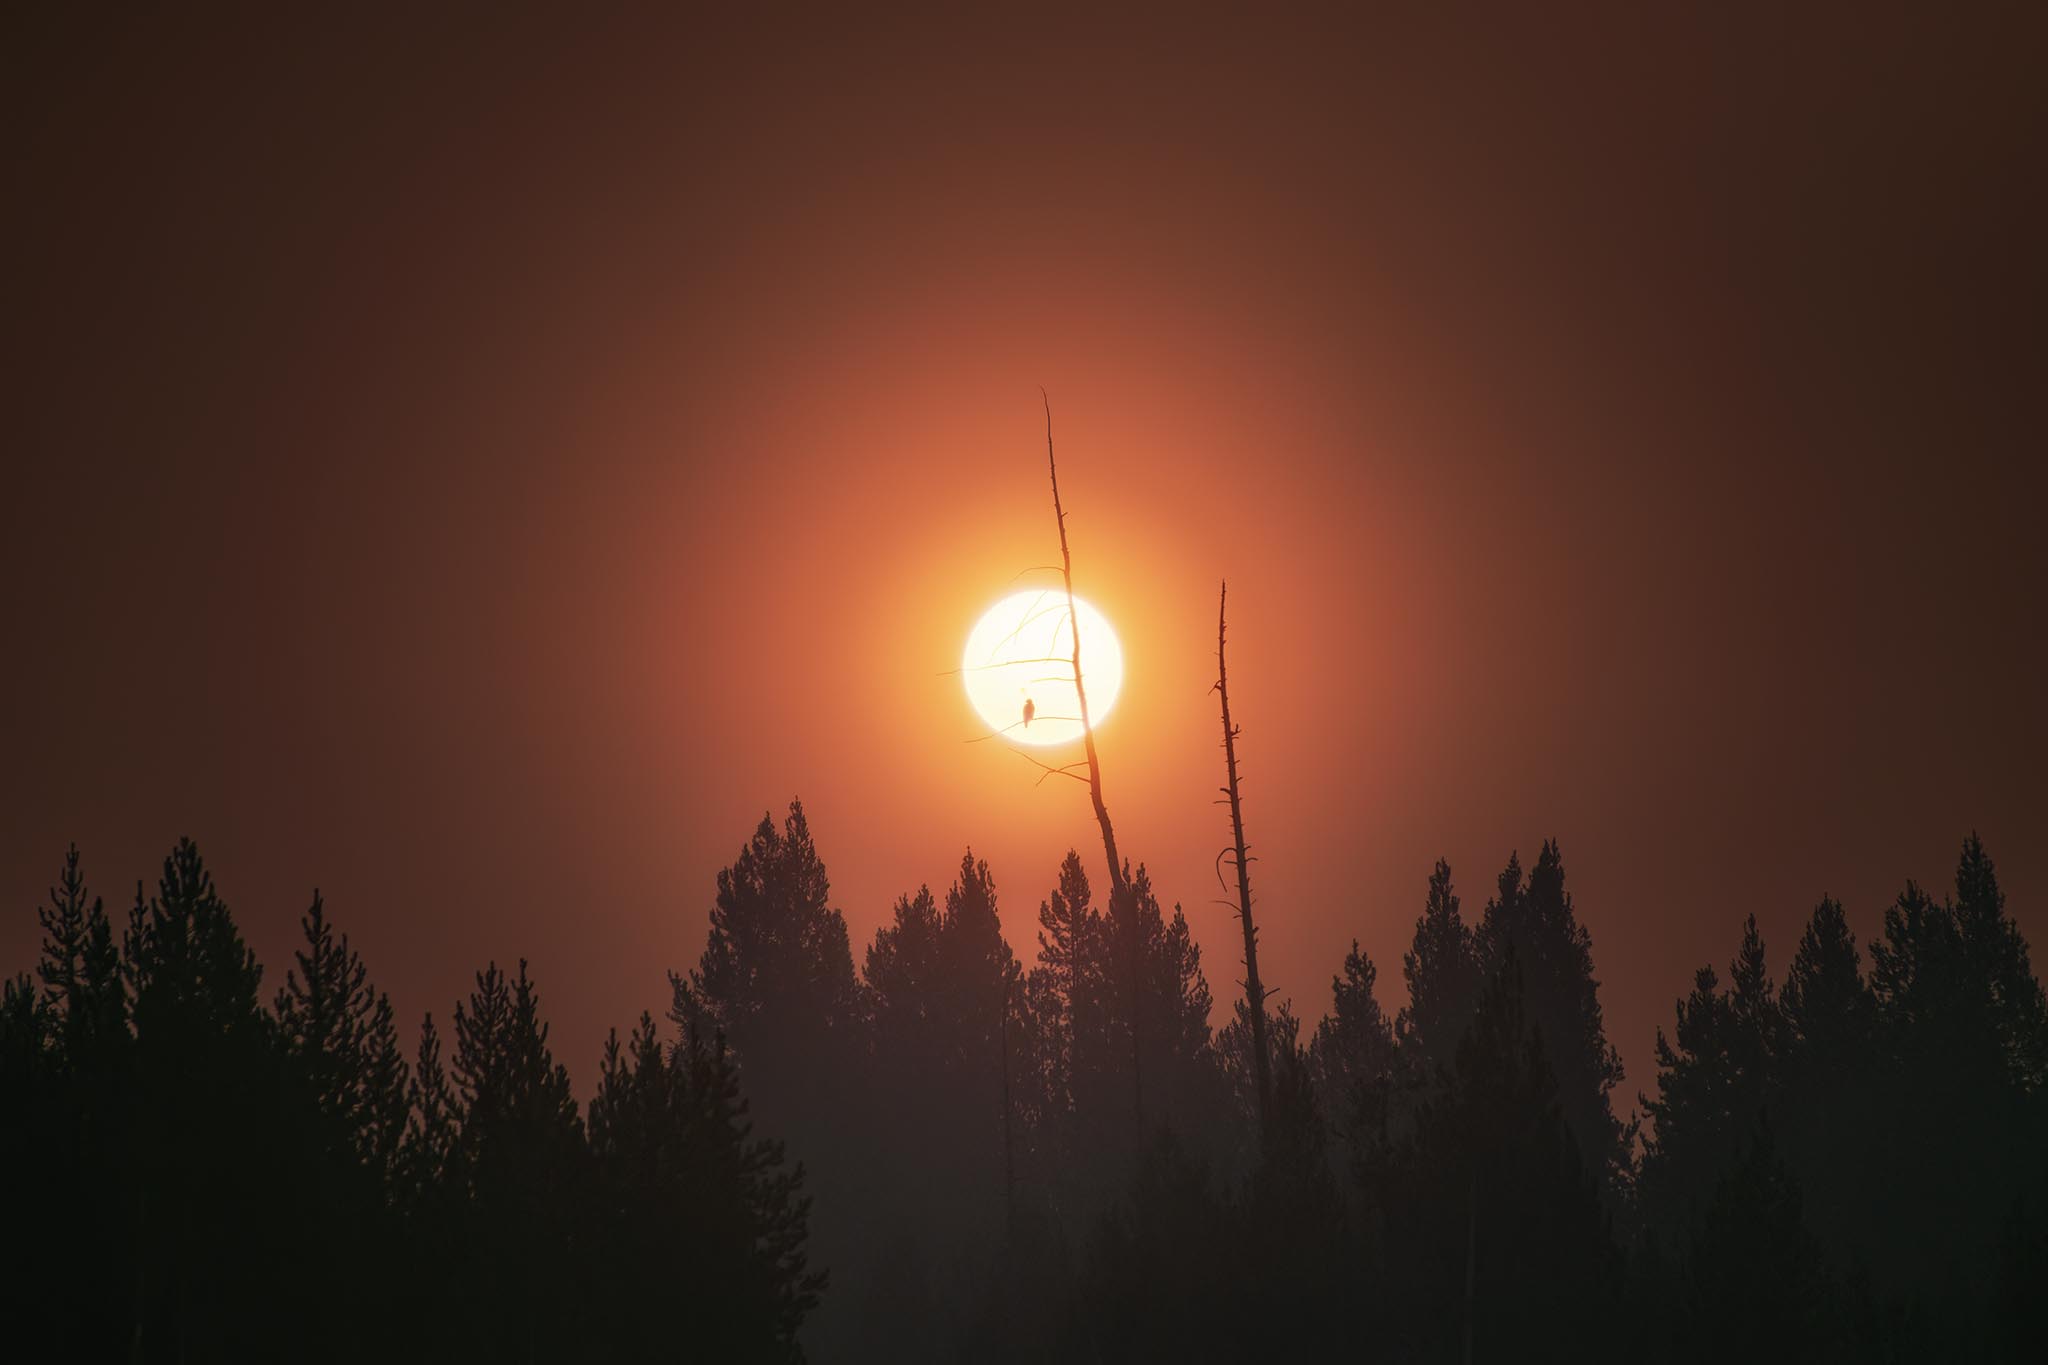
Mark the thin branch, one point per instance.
(1050, 771)
(983, 668)
(1013, 725)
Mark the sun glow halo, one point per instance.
(1022, 649)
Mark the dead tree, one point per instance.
(1116, 867)
(1254, 992)
(1119, 887)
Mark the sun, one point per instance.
(1022, 649)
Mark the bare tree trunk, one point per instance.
(1119, 887)
(1116, 867)
(1254, 991)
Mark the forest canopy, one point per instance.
(946, 1152)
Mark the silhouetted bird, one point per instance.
(1030, 710)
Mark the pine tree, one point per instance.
(81, 966)
(1067, 977)
(974, 963)
(1828, 1006)
(1234, 1056)
(1997, 954)
(1171, 1014)
(191, 975)
(1955, 1002)
(217, 1138)
(1830, 1130)
(1114, 1013)
(28, 1056)
(516, 1103)
(1556, 953)
(1366, 1093)
(430, 1131)
(938, 989)
(902, 963)
(1505, 1249)
(701, 1222)
(776, 981)
(1441, 969)
(1303, 1289)
(1353, 1054)
(69, 1096)
(338, 1032)
(519, 1163)
(1712, 1088)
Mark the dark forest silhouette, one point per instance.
(935, 1155)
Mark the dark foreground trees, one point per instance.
(1053, 1160)
(1887, 1130)
(1454, 1180)
(192, 1177)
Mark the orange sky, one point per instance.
(478, 466)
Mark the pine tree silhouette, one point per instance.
(1846, 1168)
(81, 964)
(1353, 1058)
(1538, 921)
(212, 1144)
(702, 1226)
(1067, 982)
(1713, 1087)
(776, 981)
(1441, 969)
(519, 1166)
(1505, 1246)
(1832, 1129)
(338, 1031)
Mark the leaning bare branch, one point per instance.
(1059, 512)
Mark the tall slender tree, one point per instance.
(210, 1147)
(520, 1163)
(81, 963)
(1830, 1132)
(1067, 979)
(704, 1223)
(1537, 919)
(776, 978)
(1713, 1087)
(1441, 969)
(1353, 1057)
(1506, 1245)
(337, 1030)
(1955, 1002)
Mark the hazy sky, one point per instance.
(478, 465)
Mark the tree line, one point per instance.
(943, 1152)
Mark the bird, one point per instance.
(1030, 710)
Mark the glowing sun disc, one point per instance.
(1023, 649)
